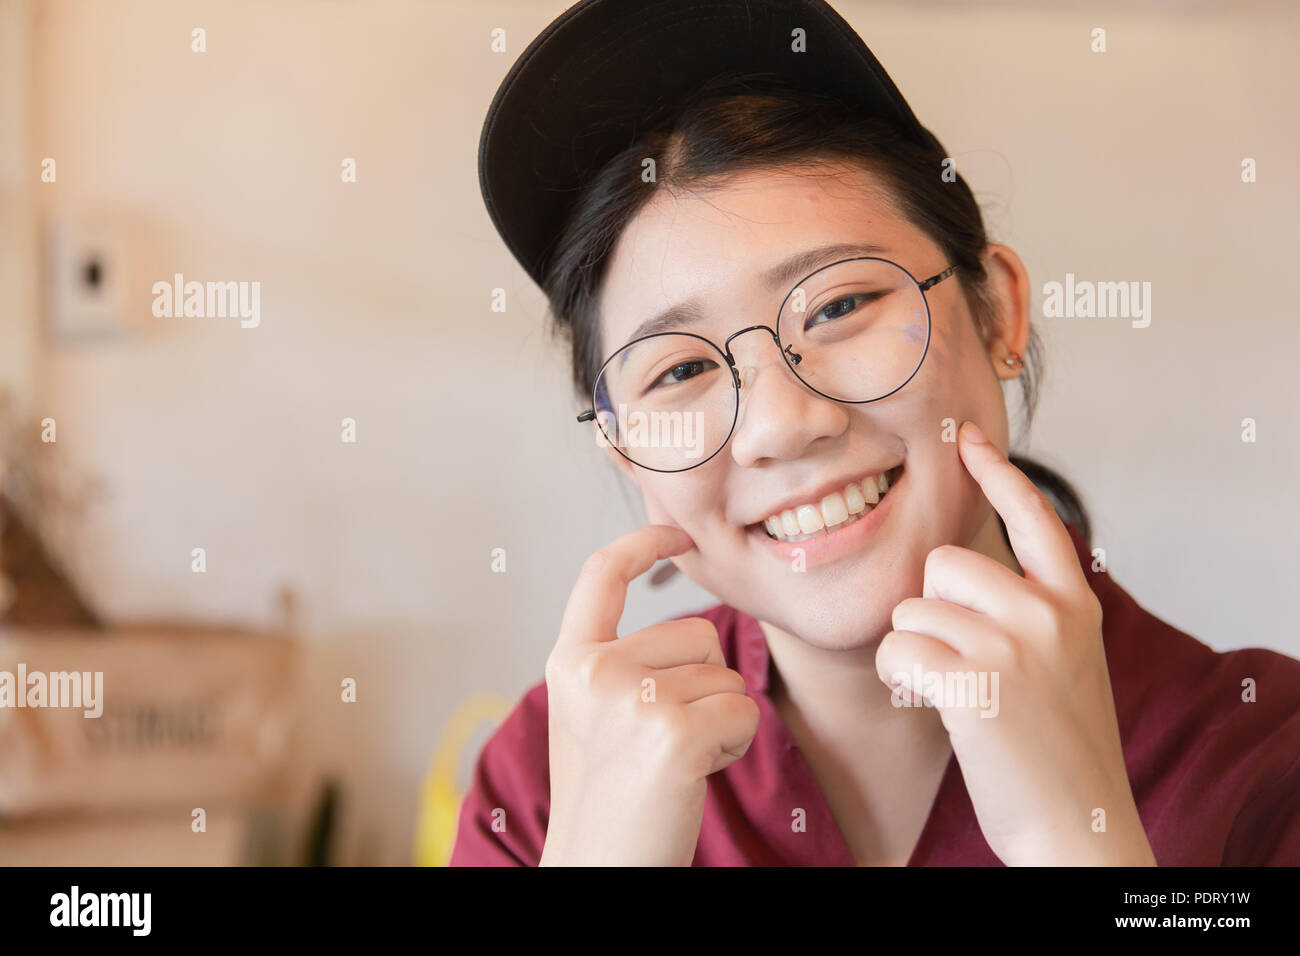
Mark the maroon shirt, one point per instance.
(1216, 779)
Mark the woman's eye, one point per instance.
(841, 307)
(683, 371)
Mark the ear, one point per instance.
(1009, 288)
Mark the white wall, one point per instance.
(375, 305)
(17, 216)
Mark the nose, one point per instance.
(779, 416)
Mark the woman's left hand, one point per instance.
(1041, 755)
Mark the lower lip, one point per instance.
(828, 548)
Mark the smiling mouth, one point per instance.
(834, 512)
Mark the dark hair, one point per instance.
(741, 122)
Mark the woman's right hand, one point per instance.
(637, 723)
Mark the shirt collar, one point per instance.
(755, 663)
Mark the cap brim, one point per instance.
(605, 70)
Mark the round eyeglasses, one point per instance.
(855, 331)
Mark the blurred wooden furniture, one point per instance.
(33, 591)
(192, 719)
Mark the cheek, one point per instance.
(694, 501)
(656, 513)
(689, 500)
(955, 382)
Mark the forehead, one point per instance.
(713, 244)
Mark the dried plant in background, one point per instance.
(35, 494)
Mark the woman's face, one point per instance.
(791, 445)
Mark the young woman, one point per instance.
(792, 337)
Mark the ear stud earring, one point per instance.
(1013, 359)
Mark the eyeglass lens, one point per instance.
(860, 329)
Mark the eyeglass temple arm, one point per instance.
(936, 279)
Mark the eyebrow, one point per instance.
(780, 276)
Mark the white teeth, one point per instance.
(870, 490)
(837, 508)
(810, 519)
(834, 510)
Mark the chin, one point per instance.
(832, 623)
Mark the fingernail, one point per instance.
(974, 434)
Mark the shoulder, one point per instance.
(1158, 669)
(1211, 738)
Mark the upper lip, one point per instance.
(816, 494)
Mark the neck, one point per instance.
(990, 541)
(833, 702)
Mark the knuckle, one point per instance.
(730, 682)
(743, 710)
(1005, 654)
(596, 562)
(940, 557)
(705, 628)
(671, 727)
(1092, 611)
(706, 632)
(1047, 620)
(552, 669)
(1041, 504)
(559, 664)
(1004, 649)
(905, 609)
(892, 648)
(590, 667)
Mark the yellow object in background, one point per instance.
(440, 798)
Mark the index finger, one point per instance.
(1038, 537)
(596, 601)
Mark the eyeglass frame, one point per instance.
(725, 351)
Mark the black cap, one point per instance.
(604, 69)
